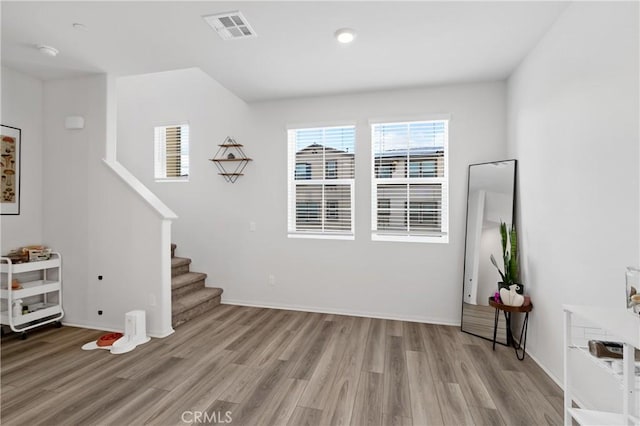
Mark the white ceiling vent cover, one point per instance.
(230, 25)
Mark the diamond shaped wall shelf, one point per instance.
(230, 160)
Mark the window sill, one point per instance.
(322, 236)
(410, 239)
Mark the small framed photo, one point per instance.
(10, 140)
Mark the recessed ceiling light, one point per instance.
(345, 35)
(47, 50)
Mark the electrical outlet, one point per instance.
(100, 312)
(152, 299)
(272, 280)
(252, 226)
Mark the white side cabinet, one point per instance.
(39, 301)
(623, 327)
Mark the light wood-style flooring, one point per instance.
(275, 367)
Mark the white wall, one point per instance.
(573, 125)
(401, 280)
(22, 108)
(95, 220)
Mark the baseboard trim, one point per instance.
(547, 372)
(321, 310)
(557, 381)
(115, 329)
(554, 378)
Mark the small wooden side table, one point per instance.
(508, 310)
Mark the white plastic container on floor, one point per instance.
(135, 333)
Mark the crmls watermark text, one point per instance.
(205, 417)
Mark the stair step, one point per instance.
(186, 283)
(179, 265)
(186, 279)
(194, 304)
(189, 296)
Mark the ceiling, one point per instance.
(398, 44)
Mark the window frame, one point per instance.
(333, 169)
(292, 232)
(422, 171)
(382, 235)
(160, 155)
(307, 171)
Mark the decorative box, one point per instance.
(41, 254)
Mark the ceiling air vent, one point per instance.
(231, 25)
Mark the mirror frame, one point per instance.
(466, 224)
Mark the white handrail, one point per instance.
(151, 198)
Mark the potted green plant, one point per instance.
(511, 274)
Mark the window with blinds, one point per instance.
(321, 177)
(171, 145)
(410, 181)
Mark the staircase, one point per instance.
(189, 296)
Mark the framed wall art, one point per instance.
(10, 140)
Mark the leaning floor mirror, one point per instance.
(490, 200)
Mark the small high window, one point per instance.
(171, 145)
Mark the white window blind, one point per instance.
(320, 177)
(410, 181)
(171, 146)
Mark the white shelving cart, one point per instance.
(40, 295)
(617, 325)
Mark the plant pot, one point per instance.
(510, 297)
(519, 289)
